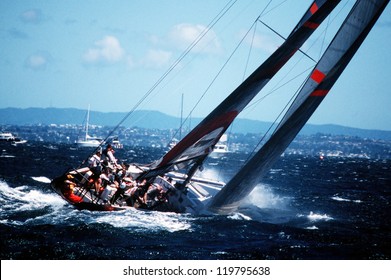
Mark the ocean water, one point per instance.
(305, 208)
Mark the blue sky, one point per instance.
(109, 54)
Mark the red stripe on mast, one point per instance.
(312, 25)
(314, 8)
(318, 76)
(320, 92)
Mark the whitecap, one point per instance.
(141, 220)
(337, 198)
(42, 179)
(312, 228)
(24, 198)
(6, 156)
(239, 217)
(58, 211)
(263, 197)
(317, 217)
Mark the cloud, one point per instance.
(33, 16)
(263, 42)
(106, 51)
(184, 34)
(156, 58)
(37, 61)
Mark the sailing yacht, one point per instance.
(221, 148)
(87, 140)
(172, 177)
(11, 138)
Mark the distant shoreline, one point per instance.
(158, 120)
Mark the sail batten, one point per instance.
(346, 42)
(201, 140)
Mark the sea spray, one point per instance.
(264, 197)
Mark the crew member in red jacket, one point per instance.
(68, 192)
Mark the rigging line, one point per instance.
(296, 93)
(273, 8)
(277, 88)
(324, 37)
(223, 11)
(252, 39)
(316, 40)
(179, 59)
(262, 12)
(250, 50)
(322, 34)
(192, 45)
(285, 39)
(288, 104)
(221, 69)
(264, 9)
(195, 42)
(330, 20)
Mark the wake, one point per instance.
(27, 205)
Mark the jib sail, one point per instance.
(348, 39)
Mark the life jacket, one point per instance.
(74, 198)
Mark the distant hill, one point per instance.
(158, 120)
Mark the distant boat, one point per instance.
(87, 140)
(10, 138)
(221, 148)
(116, 143)
(172, 178)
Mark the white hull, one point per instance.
(9, 137)
(88, 143)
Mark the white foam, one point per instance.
(24, 198)
(312, 228)
(239, 217)
(318, 217)
(42, 179)
(263, 197)
(27, 198)
(337, 198)
(6, 156)
(134, 219)
(211, 173)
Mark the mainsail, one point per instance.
(199, 143)
(348, 39)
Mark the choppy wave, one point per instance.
(263, 197)
(41, 179)
(6, 156)
(296, 213)
(312, 228)
(318, 217)
(239, 216)
(338, 198)
(38, 207)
